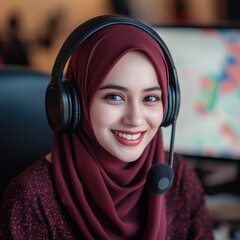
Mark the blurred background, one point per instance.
(32, 32)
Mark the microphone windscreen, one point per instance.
(159, 178)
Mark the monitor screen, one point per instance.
(207, 60)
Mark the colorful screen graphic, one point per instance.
(208, 65)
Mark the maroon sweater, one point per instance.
(31, 208)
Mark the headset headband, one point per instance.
(84, 31)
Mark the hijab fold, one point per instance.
(107, 198)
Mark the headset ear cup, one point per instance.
(170, 108)
(58, 107)
(76, 110)
(167, 110)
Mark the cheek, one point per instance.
(155, 117)
(102, 115)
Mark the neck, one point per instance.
(49, 157)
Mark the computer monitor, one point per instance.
(207, 59)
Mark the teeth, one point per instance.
(129, 137)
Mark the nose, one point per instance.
(133, 115)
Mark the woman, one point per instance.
(93, 183)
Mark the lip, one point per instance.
(125, 141)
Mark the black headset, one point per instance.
(62, 101)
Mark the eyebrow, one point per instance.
(117, 87)
(111, 86)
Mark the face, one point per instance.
(127, 110)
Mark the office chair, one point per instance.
(25, 135)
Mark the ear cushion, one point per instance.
(170, 108)
(173, 105)
(76, 111)
(58, 107)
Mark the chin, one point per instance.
(128, 158)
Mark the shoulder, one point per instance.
(185, 201)
(31, 207)
(35, 178)
(32, 187)
(185, 177)
(186, 187)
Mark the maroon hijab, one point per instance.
(108, 198)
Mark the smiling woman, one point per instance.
(125, 114)
(121, 88)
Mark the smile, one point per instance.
(128, 138)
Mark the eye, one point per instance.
(114, 97)
(151, 99)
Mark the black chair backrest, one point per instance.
(25, 135)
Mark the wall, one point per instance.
(35, 15)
